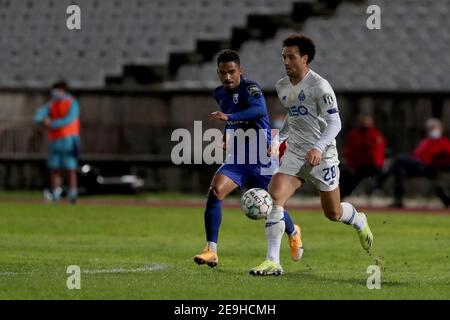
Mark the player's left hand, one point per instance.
(47, 122)
(313, 157)
(217, 115)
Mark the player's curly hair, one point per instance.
(304, 44)
(228, 55)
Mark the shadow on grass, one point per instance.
(313, 277)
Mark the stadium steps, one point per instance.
(260, 25)
(406, 55)
(259, 29)
(127, 43)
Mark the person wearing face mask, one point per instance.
(60, 117)
(278, 123)
(363, 153)
(430, 156)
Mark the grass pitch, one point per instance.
(146, 253)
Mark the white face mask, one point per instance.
(435, 134)
(277, 124)
(57, 94)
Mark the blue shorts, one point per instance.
(63, 153)
(245, 175)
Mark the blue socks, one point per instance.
(289, 225)
(213, 217)
(56, 194)
(73, 193)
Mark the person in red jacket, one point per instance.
(363, 153)
(430, 156)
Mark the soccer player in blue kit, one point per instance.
(243, 106)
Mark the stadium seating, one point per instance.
(408, 53)
(36, 47)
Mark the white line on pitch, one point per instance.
(8, 273)
(148, 268)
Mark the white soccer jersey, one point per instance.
(306, 104)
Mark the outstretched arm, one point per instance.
(71, 116)
(42, 113)
(257, 109)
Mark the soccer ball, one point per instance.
(256, 203)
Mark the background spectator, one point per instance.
(60, 116)
(430, 157)
(363, 153)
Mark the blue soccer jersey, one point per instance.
(246, 109)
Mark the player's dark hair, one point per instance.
(228, 55)
(61, 84)
(304, 44)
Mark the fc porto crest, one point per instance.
(236, 98)
(301, 96)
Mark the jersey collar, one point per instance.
(303, 80)
(241, 81)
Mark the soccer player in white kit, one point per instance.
(311, 126)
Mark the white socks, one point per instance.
(351, 216)
(275, 227)
(212, 246)
(274, 232)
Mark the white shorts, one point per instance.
(325, 176)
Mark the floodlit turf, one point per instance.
(146, 253)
